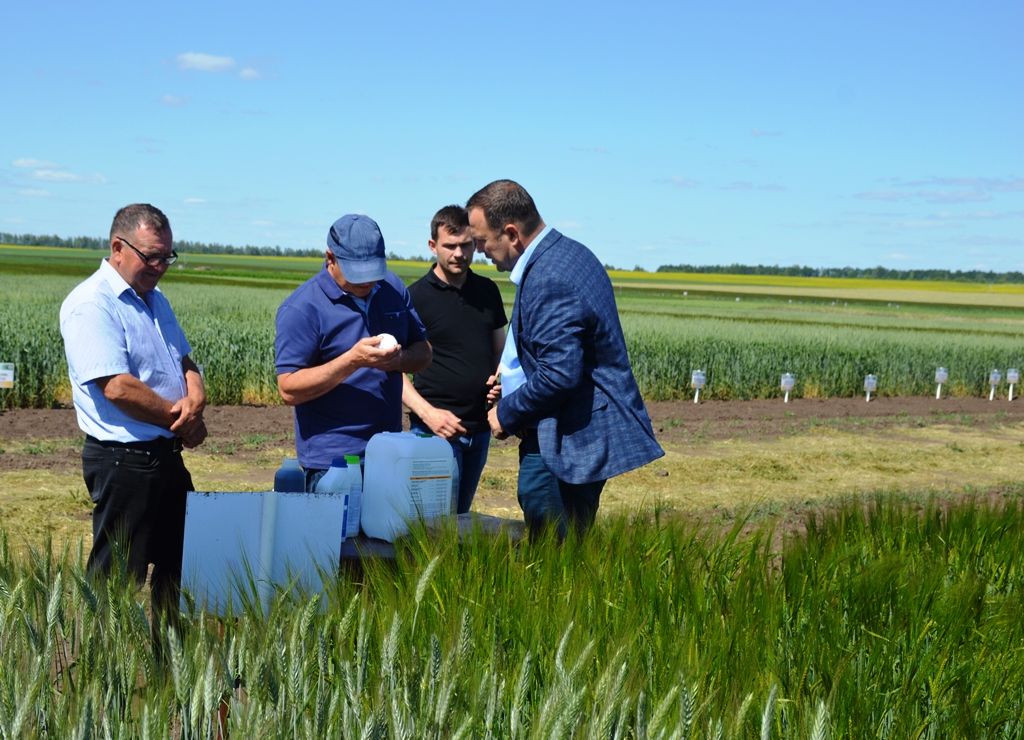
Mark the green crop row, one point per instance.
(743, 347)
(882, 622)
(743, 361)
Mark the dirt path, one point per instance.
(40, 456)
(673, 420)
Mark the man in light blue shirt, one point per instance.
(139, 399)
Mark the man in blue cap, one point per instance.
(334, 363)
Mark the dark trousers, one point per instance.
(139, 492)
(547, 501)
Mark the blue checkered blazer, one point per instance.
(580, 392)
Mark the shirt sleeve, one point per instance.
(297, 342)
(94, 343)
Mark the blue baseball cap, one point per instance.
(357, 243)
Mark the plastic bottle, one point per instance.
(355, 495)
(342, 479)
(290, 478)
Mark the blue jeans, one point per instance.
(470, 453)
(547, 501)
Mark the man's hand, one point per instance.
(443, 423)
(188, 413)
(367, 353)
(493, 389)
(492, 419)
(194, 436)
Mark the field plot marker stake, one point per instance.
(870, 386)
(788, 381)
(993, 380)
(1012, 377)
(941, 376)
(697, 380)
(6, 374)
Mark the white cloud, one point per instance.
(249, 73)
(34, 193)
(28, 163)
(201, 62)
(989, 184)
(58, 175)
(173, 101)
(48, 175)
(944, 189)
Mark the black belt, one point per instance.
(159, 446)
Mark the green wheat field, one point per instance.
(880, 618)
(743, 340)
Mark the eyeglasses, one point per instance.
(153, 260)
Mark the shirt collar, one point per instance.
(520, 267)
(113, 279)
(433, 279)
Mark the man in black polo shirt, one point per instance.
(465, 321)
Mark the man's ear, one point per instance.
(513, 233)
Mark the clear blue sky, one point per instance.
(815, 133)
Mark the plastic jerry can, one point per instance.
(406, 477)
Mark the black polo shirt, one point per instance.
(460, 326)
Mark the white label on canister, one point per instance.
(6, 374)
(430, 487)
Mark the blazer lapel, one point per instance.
(517, 324)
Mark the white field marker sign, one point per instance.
(6, 374)
(697, 381)
(941, 376)
(1012, 377)
(993, 380)
(870, 386)
(787, 384)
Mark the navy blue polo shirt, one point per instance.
(319, 322)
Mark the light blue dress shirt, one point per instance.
(512, 374)
(109, 329)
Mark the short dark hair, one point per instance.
(506, 202)
(453, 218)
(136, 215)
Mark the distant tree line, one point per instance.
(95, 242)
(964, 276)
